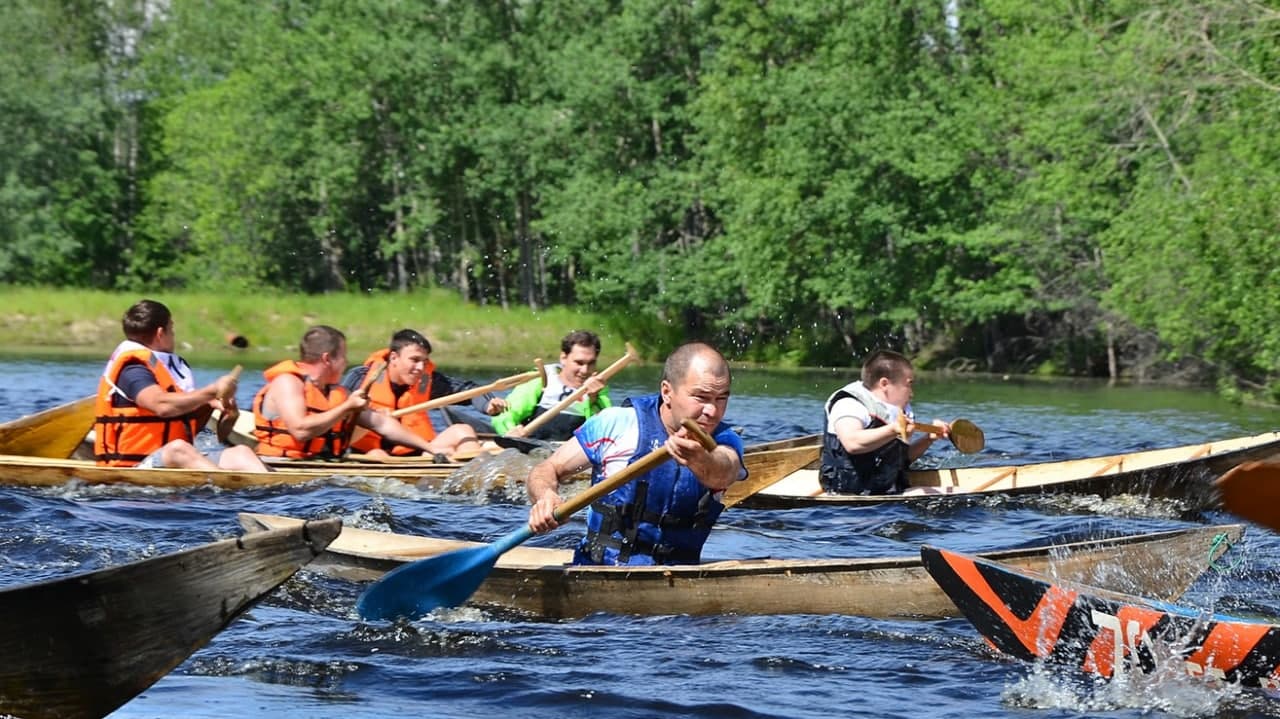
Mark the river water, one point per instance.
(304, 653)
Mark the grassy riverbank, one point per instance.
(86, 323)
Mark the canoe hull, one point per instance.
(485, 474)
(1183, 473)
(538, 582)
(84, 645)
(1099, 631)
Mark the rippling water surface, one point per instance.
(303, 652)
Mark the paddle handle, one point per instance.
(370, 378)
(235, 376)
(578, 393)
(636, 468)
(466, 394)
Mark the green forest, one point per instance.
(1064, 187)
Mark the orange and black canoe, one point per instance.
(1107, 633)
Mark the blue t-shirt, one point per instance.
(133, 379)
(609, 440)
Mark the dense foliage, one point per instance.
(1082, 187)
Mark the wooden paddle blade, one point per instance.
(54, 433)
(1252, 490)
(420, 587)
(967, 436)
(84, 645)
(767, 468)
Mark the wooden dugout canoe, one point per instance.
(1184, 472)
(1099, 631)
(537, 581)
(84, 645)
(37, 472)
(441, 477)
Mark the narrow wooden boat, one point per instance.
(538, 581)
(1103, 632)
(36, 472)
(84, 645)
(1184, 472)
(433, 476)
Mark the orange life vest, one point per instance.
(274, 439)
(124, 436)
(382, 398)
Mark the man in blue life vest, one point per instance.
(862, 451)
(665, 515)
(149, 409)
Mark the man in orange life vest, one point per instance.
(148, 408)
(303, 412)
(411, 379)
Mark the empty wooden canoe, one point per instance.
(538, 581)
(84, 645)
(1184, 472)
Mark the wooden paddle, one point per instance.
(524, 443)
(447, 580)
(1252, 490)
(466, 394)
(373, 375)
(221, 429)
(53, 433)
(965, 435)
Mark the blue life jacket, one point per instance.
(662, 517)
(880, 471)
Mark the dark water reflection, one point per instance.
(304, 652)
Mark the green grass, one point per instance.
(86, 323)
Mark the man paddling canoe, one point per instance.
(579, 352)
(665, 515)
(863, 451)
(302, 412)
(148, 408)
(411, 379)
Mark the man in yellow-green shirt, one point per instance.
(579, 351)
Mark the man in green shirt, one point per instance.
(579, 351)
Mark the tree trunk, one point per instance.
(527, 287)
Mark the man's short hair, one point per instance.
(141, 321)
(676, 368)
(579, 338)
(318, 340)
(885, 364)
(407, 337)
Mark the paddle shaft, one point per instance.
(965, 435)
(919, 427)
(466, 394)
(626, 359)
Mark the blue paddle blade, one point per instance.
(417, 588)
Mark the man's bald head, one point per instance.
(700, 354)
